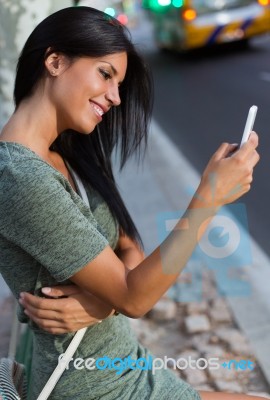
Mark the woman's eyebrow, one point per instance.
(112, 67)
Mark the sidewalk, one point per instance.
(229, 328)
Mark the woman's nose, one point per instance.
(113, 95)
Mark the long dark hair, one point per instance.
(84, 31)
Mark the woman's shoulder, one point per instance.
(20, 163)
(27, 178)
(12, 153)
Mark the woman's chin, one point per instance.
(86, 130)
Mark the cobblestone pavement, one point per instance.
(202, 330)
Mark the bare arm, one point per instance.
(134, 293)
(129, 252)
(139, 291)
(78, 308)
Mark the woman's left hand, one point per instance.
(79, 308)
(76, 310)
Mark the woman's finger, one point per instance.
(222, 151)
(249, 146)
(41, 314)
(255, 158)
(27, 300)
(58, 327)
(61, 290)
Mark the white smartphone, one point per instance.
(249, 124)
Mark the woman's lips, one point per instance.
(97, 109)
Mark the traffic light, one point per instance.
(178, 3)
(162, 5)
(110, 11)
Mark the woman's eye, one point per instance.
(105, 74)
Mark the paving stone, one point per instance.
(197, 323)
(256, 382)
(197, 308)
(211, 350)
(214, 339)
(242, 348)
(235, 339)
(145, 332)
(222, 374)
(229, 334)
(204, 387)
(201, 339)
(195, 377)
(165, 309)
(225, 386)
(218, 302)
(165, 339)
(190, 364)
(220, 314)
(193, 354)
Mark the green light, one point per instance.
(110, 11)
(153, 4)
(159, 5)
(164, 3)
(178, 3)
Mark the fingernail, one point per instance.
(21, 301)
(22, 295)
(26, 312)
(46, 290)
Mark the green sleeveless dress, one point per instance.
(48, 234)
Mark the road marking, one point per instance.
(265, 76)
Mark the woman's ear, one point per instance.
(56, 63)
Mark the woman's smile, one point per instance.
(99, 112)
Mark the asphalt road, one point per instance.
(202, 100)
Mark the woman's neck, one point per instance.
(33, 124)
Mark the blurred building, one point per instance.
(17, 20)
(125, 11)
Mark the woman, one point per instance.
(81, 89)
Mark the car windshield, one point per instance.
(206, 6)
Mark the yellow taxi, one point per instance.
(184, 25)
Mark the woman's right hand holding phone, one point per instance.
(226, 178)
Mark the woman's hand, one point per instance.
(61, 315)
(79, 308)
(226, 178)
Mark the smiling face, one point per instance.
(83, 90)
